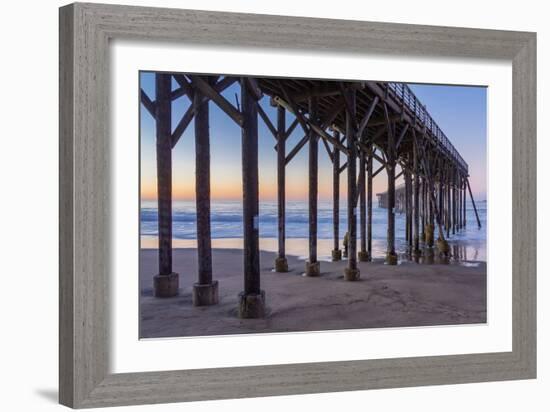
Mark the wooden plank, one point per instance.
(323, 90)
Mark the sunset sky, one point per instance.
(459, 111)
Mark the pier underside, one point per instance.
(366, 128)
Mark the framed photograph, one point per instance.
(257, 205)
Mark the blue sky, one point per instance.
(459, 111)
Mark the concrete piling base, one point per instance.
(363, 256)
(281, 265)
(166, 286)
(205, 294)
(351, 275)
(428, 255)
(313, 269)
(391, 258)
(336, 255)
(443, 246)
(252, 305)
(429, 235)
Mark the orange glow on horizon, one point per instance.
(295, 190)
(230, 188)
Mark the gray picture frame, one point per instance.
(85, 32)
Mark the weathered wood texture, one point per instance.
(369, 203)
(163, 115)
(313, 182)
(336, 196)
(251, 247)
(351, 139)
(281, 179)
(202, 188)
(85, 33)
(363, 201)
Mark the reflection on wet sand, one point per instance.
(461, 251)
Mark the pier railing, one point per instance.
(402, 93)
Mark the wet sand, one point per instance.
(409, 294)
(461, 249)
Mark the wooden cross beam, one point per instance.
(147, 103)
(291, 128)
(382, 167)
(188, 116)
(176, 94)
(182, 124)
(306, 123)
(184, 84)
(381, 160)
(290, 106)
(343, 167)
(225, 83)
(296, 149)
(267, 122)
(327, 148)
(402, 135)
(367, 117)
(217, 98)
(289, 131)
(375, 136)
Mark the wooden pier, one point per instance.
(364, 127)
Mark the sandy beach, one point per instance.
(409, 294)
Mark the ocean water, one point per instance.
(226, 223)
